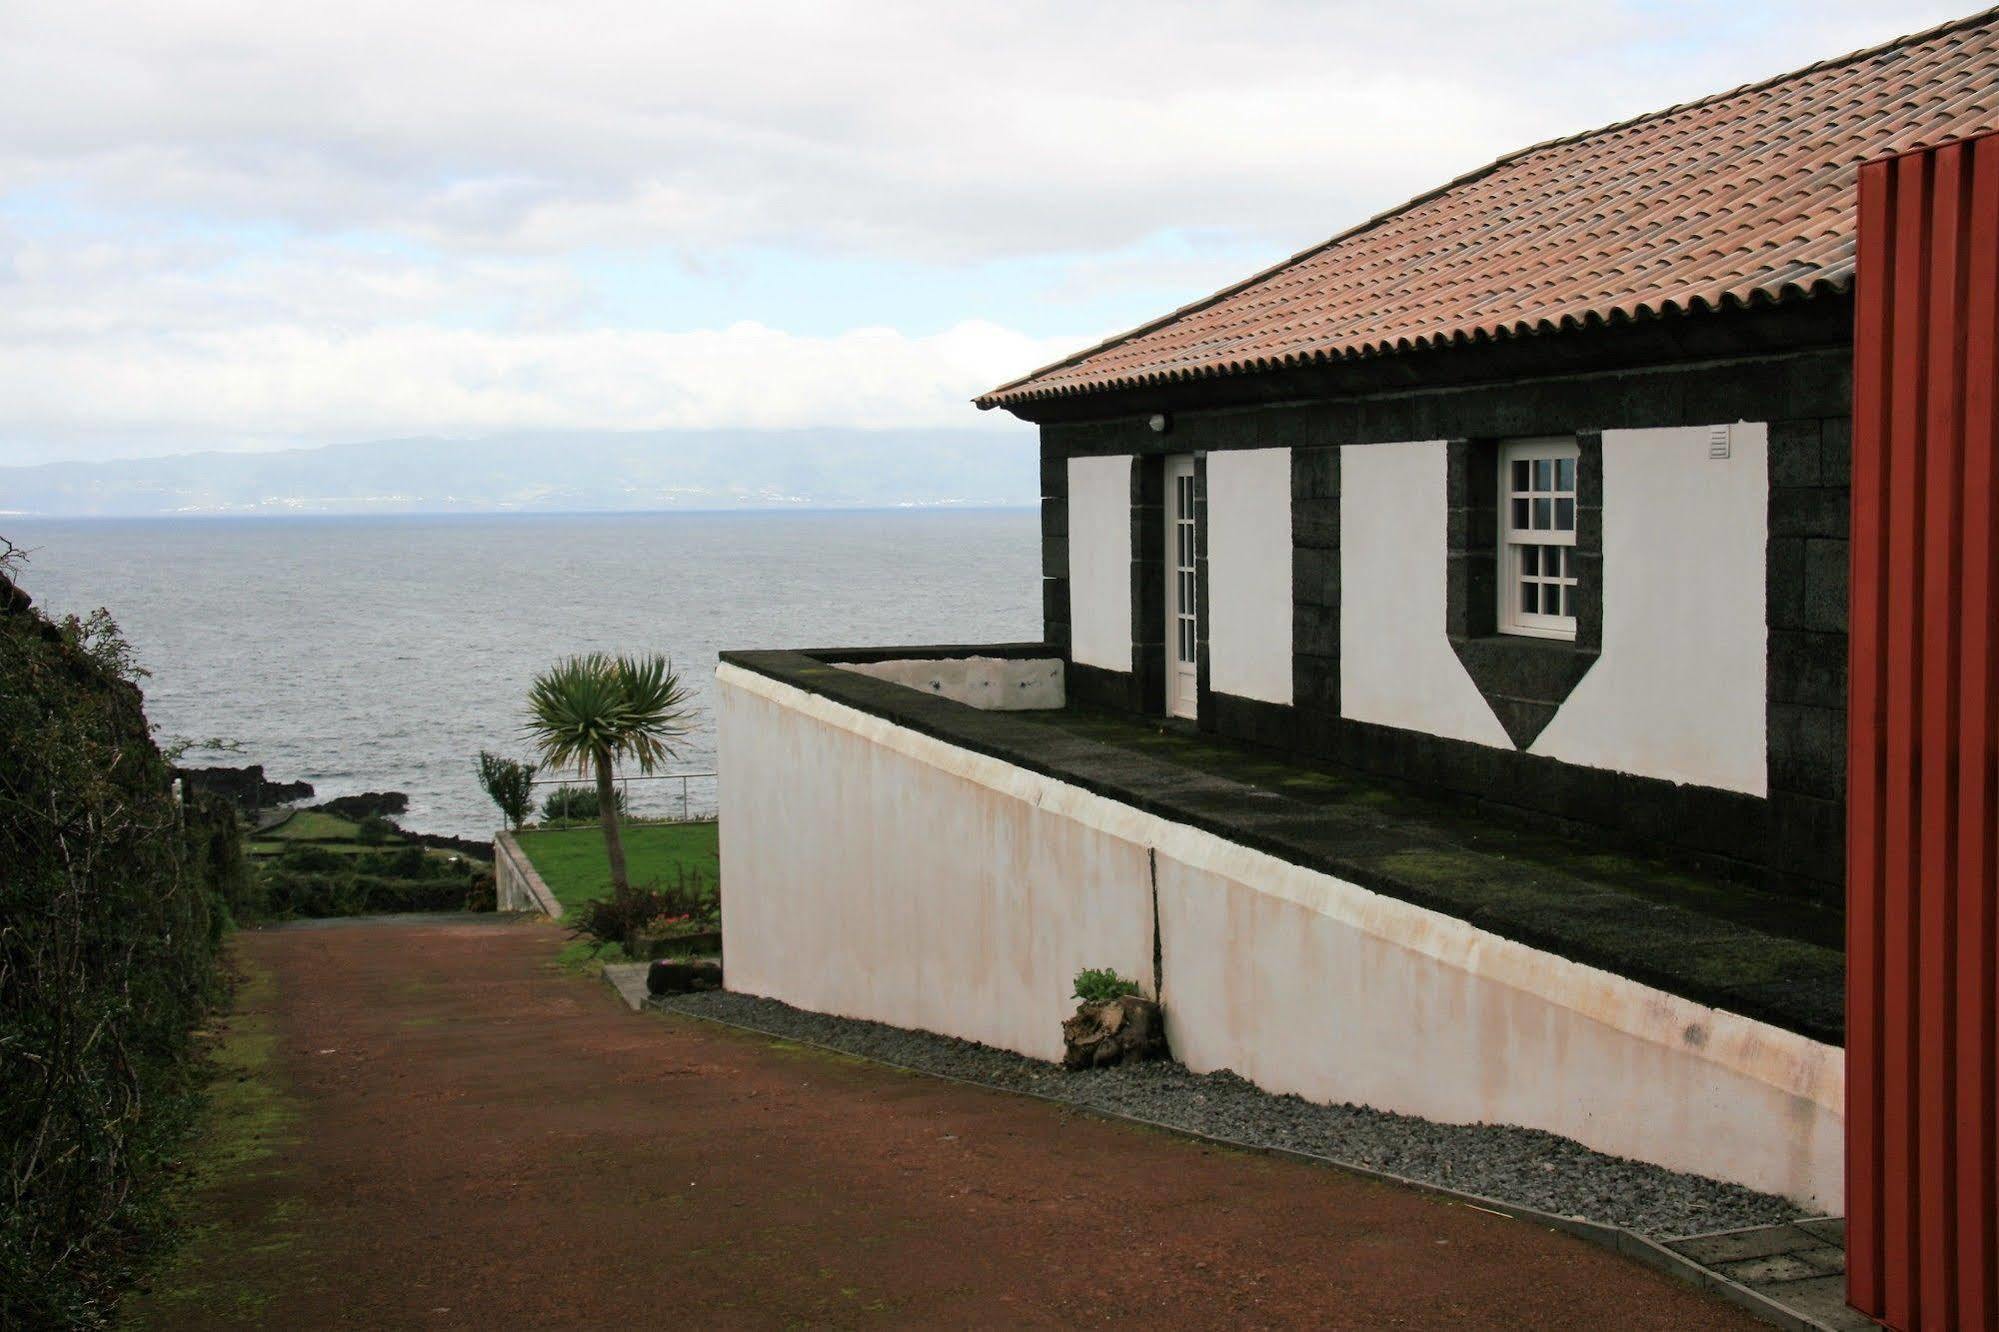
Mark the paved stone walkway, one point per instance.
(469, 1136)
(1801, 1266)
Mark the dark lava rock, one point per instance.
(361, 806)
(246, 787)
(671, 976)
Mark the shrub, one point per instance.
(510, 784)
(1095, 985)
(113, 897)
(375, 830)
(304, 857)
(576, 804)
(627, 912)
(484, 894)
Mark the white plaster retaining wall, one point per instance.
(993, 684)
(876, 872)
(517, 886)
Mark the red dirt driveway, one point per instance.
(452, 1131)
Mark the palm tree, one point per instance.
(586, 711)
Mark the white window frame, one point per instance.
(1183, 630)
(1547, 540)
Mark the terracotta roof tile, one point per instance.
(1739, 198)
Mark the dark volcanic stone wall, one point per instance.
(1793, 840)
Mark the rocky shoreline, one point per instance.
(257, 797)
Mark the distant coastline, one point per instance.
(706, 471)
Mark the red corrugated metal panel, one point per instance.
(1923, 791)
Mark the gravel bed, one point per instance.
(1519, 1165)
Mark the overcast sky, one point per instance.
(260, 224)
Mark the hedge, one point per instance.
(113, 901)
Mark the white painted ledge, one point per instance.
(517, 885)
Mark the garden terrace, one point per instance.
(1685, 930)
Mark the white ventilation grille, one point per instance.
(1717, 442)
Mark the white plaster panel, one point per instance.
(867, 883)
(1249, 573)
(1679, 692)
(991, 684)
(1396, 663)
(1100, 562)
(876, 872)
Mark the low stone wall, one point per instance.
(516, 884)
(877, 872)
(995, 684)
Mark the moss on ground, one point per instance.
(242, 1239)
(1713, 939)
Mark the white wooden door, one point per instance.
(1182, 631)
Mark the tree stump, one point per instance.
(1112, 1031)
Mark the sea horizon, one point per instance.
(388, 664)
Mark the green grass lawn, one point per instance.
(571, 860)
(311, 825)
(263, 848)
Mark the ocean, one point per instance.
(382, 653)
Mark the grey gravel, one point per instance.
(1524, 1166)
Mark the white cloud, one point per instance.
(892, 128)
(266, 221)
(287, 383)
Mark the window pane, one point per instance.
(1542, 515)
(1544, 474)
(1565, 515)
(1568, 600)
(1520, 474)
(1565, 473)
(1528, 601)
(1568, 561)
(1520, 515)
(1530, 559)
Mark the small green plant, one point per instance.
(1096, 985)
(375, 830)
(509, 782)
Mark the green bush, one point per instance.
(1095, 985)
(510, 783)
(626, 912)
(367, 883)
(113, 897)
(304, 857)
(375, 830)
(576, 804)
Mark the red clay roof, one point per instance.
(1743, 197)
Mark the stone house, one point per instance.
(1441, 703)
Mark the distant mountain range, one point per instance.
(552, 472)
